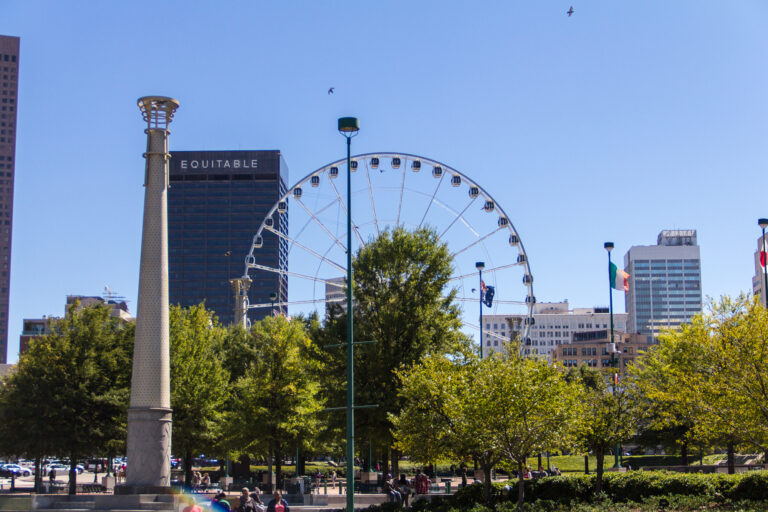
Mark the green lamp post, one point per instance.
(480, 266)
(612, 344)
(349, 127)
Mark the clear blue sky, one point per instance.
(623, 120)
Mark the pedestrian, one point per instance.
(52, 475)
(206, 481)
(404, 486)
(422, 482)
(333, 478)
(278, 504)
(256, 497)
(246, 503)
(389, 488)
(220, 503)
(194, 507)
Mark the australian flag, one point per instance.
(486, 294)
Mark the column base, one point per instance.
(148, 450)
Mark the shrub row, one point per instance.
(634, 486)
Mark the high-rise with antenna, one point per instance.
(149, 414)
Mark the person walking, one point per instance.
(220, 503)
(278, 504)
(246, 503)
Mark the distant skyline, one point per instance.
(612, 124)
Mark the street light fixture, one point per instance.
(349, 127)
(480, 265)
(763, 223)
(272, 299)
(612, 345)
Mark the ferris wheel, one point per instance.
(393, 190)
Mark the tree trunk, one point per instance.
(600, 454)
(586, 464)
(520, 486)
(684, 453)
(188, 468)
(487, 483)
(731, 459)
(538, 462)
(38, 474)
(385, 466)
(302, 464)
(279, 469)
(72, 475)
(395, 464)
(269, 472)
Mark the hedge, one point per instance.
(631, 486)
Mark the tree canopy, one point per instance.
(403, 303)
(199, 382)
(501, 407)
(276, 400)
(74, 385)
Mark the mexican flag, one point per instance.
(619, 279)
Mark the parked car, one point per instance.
(15, 469)
(63, 468)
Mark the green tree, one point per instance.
(502, 407)
(400, 280)
(199, 383)
(277, 401)
(607, 417)
(711, 375)
(439, 418)
(76, 383)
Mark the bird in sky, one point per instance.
(570, 11)
(330, 91)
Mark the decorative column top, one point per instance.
(158, 111)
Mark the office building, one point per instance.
(216, 201)
(34, 328)
(664, 283)
(9, 72)
(593, 348)
(554, 324)
(335, 293)
(758, 280)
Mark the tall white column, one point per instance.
(149, 415)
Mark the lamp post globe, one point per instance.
(349, 126)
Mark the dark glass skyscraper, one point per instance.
(216, 201)
(9, 72)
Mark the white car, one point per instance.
(62, 469)
(18, 470)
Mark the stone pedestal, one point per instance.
(149, 443)
(369, 477)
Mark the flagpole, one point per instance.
(480, 266)
(614, 359)
(763, 223)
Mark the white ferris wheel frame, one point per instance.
(515, 240)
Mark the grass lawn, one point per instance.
(566, 463)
